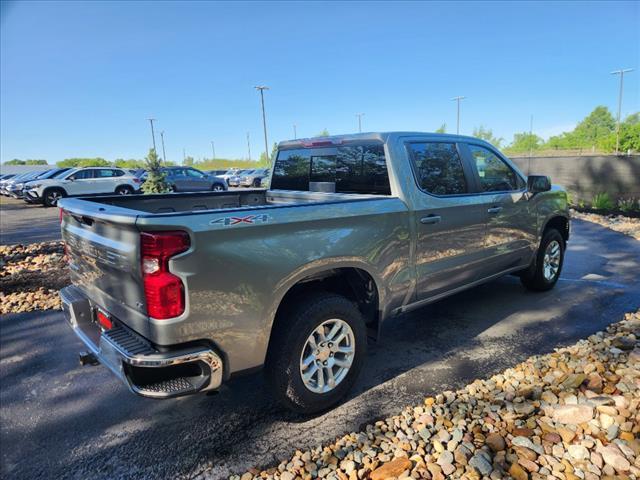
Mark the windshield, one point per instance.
(60, 173)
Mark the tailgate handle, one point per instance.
(83, 219)
(430, 219)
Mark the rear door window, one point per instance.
(353, 169)
(438, 168)
(82, 175)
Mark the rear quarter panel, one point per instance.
(237, 273)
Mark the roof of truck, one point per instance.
(377, 136)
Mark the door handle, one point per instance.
(494, 210)
(430, 219)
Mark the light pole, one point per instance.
(295, 131)
(457, 99)
(261, 89)
(359, 115)
(249, 146)
(620, 72)
(213, 150)
(153, 135)
(164, 154)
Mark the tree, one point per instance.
(525, 141)
(155, 182)
(487, 134)
(323, 133)
(84, 162)
(592, 131)
(442, 129)
(130, 163)
(15, 161)
(188, 161)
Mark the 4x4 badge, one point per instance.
(230, 221)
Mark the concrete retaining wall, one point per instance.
(587, 175)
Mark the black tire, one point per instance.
(534, 277)
(124, 190)
(257, 182)
(287, 344)
(51, 196)
(218, 187)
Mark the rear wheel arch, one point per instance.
(354, 283)
(124, 186)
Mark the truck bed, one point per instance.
(144, 205)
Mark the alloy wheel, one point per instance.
(551, 262)
(327, 356)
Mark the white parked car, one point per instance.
(83, 182)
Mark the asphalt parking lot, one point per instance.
(60, 420)
(21, 222)
(24, 223)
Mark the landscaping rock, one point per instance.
(546, 418)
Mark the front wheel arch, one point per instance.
(559, 223)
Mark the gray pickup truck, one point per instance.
(178, 293)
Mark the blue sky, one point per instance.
(80, 79)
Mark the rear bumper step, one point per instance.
(135, 361)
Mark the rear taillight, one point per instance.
(163, 291)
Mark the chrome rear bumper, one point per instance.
(145, 370)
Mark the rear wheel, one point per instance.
(52, 195)
(316, 353)
(545, 271)
(124, 190)
(257, 182)
(217, 187)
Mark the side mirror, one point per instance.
(538, 183)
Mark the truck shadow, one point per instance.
(73, 422)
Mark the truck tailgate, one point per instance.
(104, 261)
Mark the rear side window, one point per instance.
(353, 169)
(438, 168)
(495, 175)
(108, 172)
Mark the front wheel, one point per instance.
(545, 271)
(52, 196)
(257, 182)
(217, 187)
(316, 353)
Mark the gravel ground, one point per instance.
(572, 414)
(31, 276)
(619, 223)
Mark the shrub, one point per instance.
(627, 205)
(602, 201)
(155, 182)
